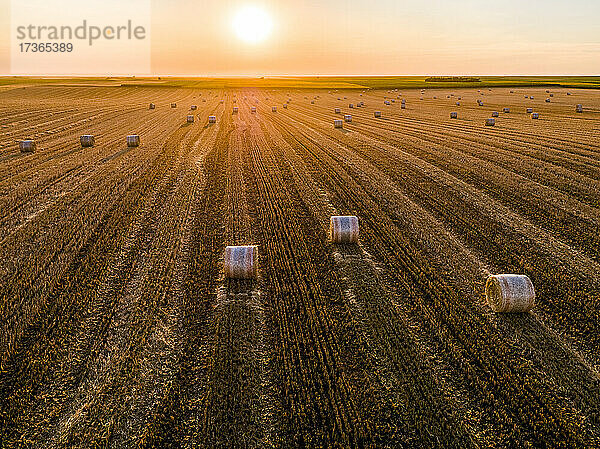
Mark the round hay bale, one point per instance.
(152, 106)
(343, 229)
(253, 109)
(27, 146)
(529, 110)
(490, 122)
(338, 124)
(87, 141)
(285, 105)
(535, 115)
(235, 110)
(337, 110)
(274, 109)
(454, 115)
(506, 110)
(351, 106)
(348, 118)
(194, 107)
(547, 100)
(579, 108)
(133, 140)
(510, 293)
(173, 105)
(190, 119)
(241, 262)
(377, 114)
(212, 119)
(495, 114)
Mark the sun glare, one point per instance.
(252, 24)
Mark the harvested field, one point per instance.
(120, 328)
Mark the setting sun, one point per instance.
(252, 24)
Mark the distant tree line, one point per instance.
(452, 79)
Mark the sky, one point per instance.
(376, 37)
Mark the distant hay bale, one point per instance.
(152, 106)
(551, 95)
(253, 109)
(190, 119)
(458, 103)
(337, 110)
(510, 293)
(285, 105)
(547, 100)
(235, 109)
(87, 141)
(212, 119)
(348, 118)
(241, 262)
(529, 110)
(506, 110)
(454, 115)
(568, 93)
(403, 105)
(535, 115)
(27, 146)
(351, 106)
(221, 102)
(344, 229)
(133, 140)
(193, 107)
(490, 122)
(338, 124)
(387, 102)
(403, 101)
(512, 91)
(495, 114)
(377, 114)
(274, 109)
(173, 105)
(547, 91)
(579, 108)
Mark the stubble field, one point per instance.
(119, 329)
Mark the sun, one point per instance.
(252, 24)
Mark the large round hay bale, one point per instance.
(87, 140)
(495, 114)
(337, 110)
(377, 114)
(235, 110)
(253, 109)
(133, 140)
(152, 106)
(490, 122)
(27, 146)
(454, 115)
(193, 107)
(173, 105)
(344, 229)
(579, 108)
(338, 124)
(274, 109)
(241, 262)
(510, 293)
(529, 110)
(348, 118)
(506, 110)
(190, 119)
(351, 106)
(212, 119)
(535, 115)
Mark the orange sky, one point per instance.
(400, 37)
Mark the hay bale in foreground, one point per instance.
(133, 140)
(241, 262)
(27, 146)
(510, 293)
(338, 124)
(343, 229)
(87, 141)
